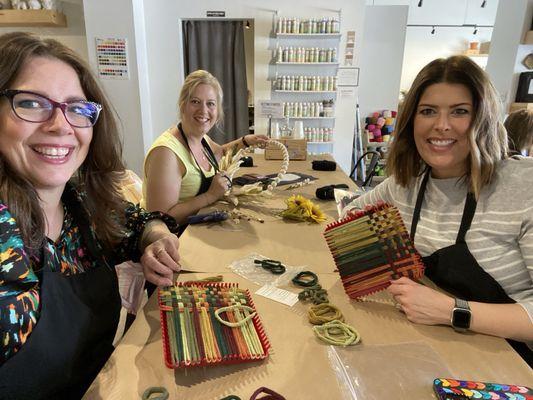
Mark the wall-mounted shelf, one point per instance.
(477, 55)
(307, 63)
(308, 35)
(377, 144)
(305, 91)
(319, 118)
(50, 18)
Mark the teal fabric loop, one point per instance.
(160, 392)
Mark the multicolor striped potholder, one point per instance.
(370, 248)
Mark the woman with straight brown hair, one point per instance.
(469, 208)
(63, 223)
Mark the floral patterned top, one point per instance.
(19, 273)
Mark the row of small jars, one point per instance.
(309, 109)
(306, 55)
(318, 134)
(313, 25)
(306, 83)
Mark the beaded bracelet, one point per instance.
(136, 220)
(297, 280)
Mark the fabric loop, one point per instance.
(297, 280)
(337, 333)
(323, 313)
(160, 392)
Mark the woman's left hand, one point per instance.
(160, 259)
(421, 304)
(256, 140)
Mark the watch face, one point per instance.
(461, 318)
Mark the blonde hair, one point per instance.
(192, 81)
(486, 136)
(519, 125)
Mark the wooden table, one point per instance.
(394, 354)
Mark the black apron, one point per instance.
(205, 182)
(73, 337)
(455, 269)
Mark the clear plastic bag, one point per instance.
(246, 268)
(403, 371)
(344, 198)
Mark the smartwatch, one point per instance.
(461, 315)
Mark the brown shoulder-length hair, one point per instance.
(486, 136)
(192, 81)
(519, 125)
(98, 176)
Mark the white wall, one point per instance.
(421, 47)
(512, 21)
(380, 75)
(114, 19)
(73, 35)
(164, 53)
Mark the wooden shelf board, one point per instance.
(308, 35)
(50, 18)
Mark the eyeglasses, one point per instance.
(33, 107)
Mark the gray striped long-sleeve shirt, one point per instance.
(501, 235)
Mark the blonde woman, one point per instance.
(180, 169)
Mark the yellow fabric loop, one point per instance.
(325, 312)
(337, 333)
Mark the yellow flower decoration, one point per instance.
(316, 214)
(301, 209)
(296, 200)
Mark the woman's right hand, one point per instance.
(219, 186)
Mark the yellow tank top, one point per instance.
(191, 180)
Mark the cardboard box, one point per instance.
(519, 106)
(297, 149)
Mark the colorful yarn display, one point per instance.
(370, 248)
(380, 125)
(208, 324)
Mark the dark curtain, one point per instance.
(218, 47)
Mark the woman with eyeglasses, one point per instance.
(63, 224)
(181, 168)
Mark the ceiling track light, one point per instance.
(247, 24)
(433, 30)
(475, 30)
(484, 4)
(420, 3)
